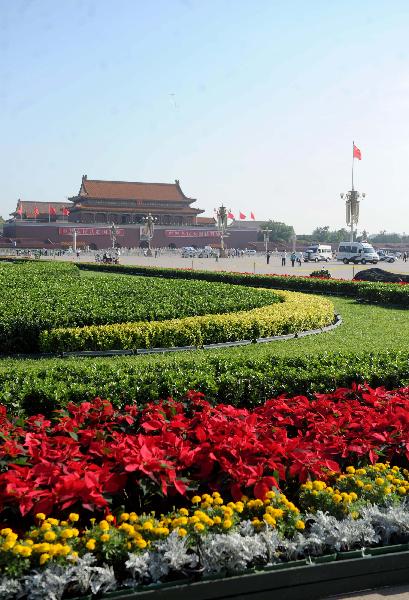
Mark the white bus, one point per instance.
(317, 252)
(357, 252)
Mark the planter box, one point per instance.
(294, 582)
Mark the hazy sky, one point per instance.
(253, 103)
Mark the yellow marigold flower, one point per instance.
(148, 525)
(105, 537)
(269, 520)
(353, 496)
(52, 521)
(29, 542)
(40, 516)
(49, 536)
(379, 481)
(359, 483)
(110, 518)
(368, 487)
(350, 469)
(74, 555)
(182, 532)
(337, 498)
(64, 523)
(319, 485)
(395, 469)
(239, 507)
(104, 525)
(217, 520)
(6, 531)
(66, 534)
(124, 517)
(44, 557)
(184, 512)
(270, 495)
(196, 499)
(7, 546)
(45, 526)
(227, 523)
(25, 551)
(194, 519)
(133, 517)
(401, 490)
(199, 527)
(141, 543)
(360, 471)
(300, 524)
(73, 517)
(228, 511)
(90, 545)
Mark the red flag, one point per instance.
(51, 210)
(36, 211)
(357, 153)
(65, 211)
(230, 215)
(252, 216)
(19, 211)
(242, 216)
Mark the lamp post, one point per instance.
(221, 215)
(352, 209)
(266, 233)
(113, 235)
(149, 229)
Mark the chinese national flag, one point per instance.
(36, 211)
(242, 216)
(52, 210)
(230, 215)
(19, 211)
(252, 216)
(65, 212)
(357, 153)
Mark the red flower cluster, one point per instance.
(91, 455)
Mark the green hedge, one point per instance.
(38, 296)
(297, 312)
(384, 293)
(238, 377)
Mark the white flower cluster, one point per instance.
(221, 554)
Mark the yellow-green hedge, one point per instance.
(297, 312)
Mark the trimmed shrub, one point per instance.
(298, 312)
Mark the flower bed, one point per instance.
(92, 456)
(295, 312)
(209, 490)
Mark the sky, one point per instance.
(249, 103)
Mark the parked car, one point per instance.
(385, 257)
(189, 252)
(250, 251)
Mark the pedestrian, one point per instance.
(292, 258)
(405, 256)
(283, 258)
(268, 257)
(299, 259)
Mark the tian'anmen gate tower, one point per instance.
(123, 202)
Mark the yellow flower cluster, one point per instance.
(346, 492)
(60, 540)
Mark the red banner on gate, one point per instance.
(89, 231)
(190, 233)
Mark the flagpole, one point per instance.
(353, 144)
(49, 214)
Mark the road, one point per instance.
(254, 264)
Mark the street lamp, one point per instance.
(149, 229)
(352, 209)
(221, 215)
(266, 233)
(113, 235)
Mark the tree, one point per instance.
(1, 219)
(279, 232)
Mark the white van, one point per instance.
(317, 252)
(357, 252)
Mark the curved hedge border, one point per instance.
(385, 293)
(297, 313)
